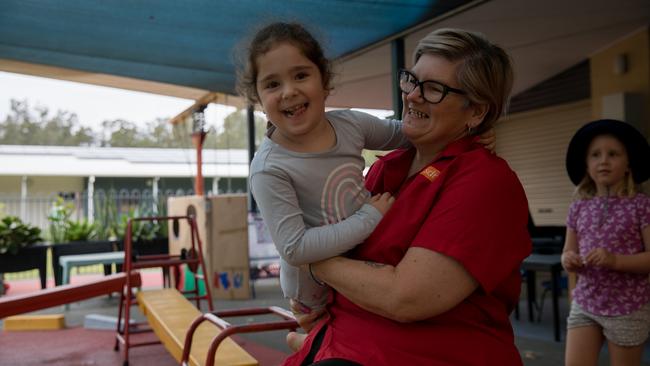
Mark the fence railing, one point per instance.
(35, 209)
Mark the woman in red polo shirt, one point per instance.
(436, 281)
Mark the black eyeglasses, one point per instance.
(431, 91)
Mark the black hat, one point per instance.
(635, 144)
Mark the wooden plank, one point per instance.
(20, 304)
(170, 315)
(34, 322)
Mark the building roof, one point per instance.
(119, 162)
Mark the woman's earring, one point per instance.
(470, 130)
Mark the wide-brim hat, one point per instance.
(638, 151)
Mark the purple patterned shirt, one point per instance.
(616, 227)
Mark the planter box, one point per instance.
(78, 247)
(34, 257)
(148, 247)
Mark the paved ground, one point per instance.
(534, 340)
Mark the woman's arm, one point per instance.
(424, 284)
(298, 244)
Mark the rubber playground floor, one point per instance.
(76, 345)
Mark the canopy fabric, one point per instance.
(188, 43)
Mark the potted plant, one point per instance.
(18, 247)
(70, 237)
(147, 237)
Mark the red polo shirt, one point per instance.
(468, 205)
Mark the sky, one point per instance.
(95, 104)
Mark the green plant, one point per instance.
(80, 230)
(140, 230)
(14, 235)
(106, 217)
(63, 229)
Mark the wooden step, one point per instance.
(34, 322)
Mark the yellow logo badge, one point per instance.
(430, 173)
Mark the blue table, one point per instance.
(70, 261)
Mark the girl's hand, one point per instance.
(489, 140)
(571, 261)
(382, 202)
(305, 316)
(600, 258)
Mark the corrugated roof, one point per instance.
(119, 162)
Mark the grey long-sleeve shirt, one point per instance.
(314, 203)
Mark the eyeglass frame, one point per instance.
(446, 89)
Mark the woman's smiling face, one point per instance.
(427, 124)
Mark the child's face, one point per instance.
(607, 161)
(290, 89)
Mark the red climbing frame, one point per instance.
(192, 257)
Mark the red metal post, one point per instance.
(198, 138)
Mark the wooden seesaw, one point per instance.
(60, 295)
(183, 329)
(180, 326)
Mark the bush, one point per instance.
(140, 230)
(63, 229)
(15, 235)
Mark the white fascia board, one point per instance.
(61, 165)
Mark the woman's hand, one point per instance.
(489, 140)
(571, 261)
(382, 202)
(306, 317)
(600, 257)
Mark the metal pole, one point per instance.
(154, 193)
(91, 201)
(251, 151)
(397, 58)
(23, 198)
(198, 137)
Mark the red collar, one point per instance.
(396, 165)
(404, 157)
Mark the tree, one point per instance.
(36, 126)
(234, 134)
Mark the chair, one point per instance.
(547, 286)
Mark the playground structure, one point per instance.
(179, 325)
(65, 294)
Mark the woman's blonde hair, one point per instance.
(484, 72)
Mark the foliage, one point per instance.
(63, 229)
(140, 230)
(234, 134)
(14, 235)
(27, 125)
(106, 215)
(81, 230)
(37, 126)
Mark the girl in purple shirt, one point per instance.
(608, 244)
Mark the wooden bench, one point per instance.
(170, 315)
